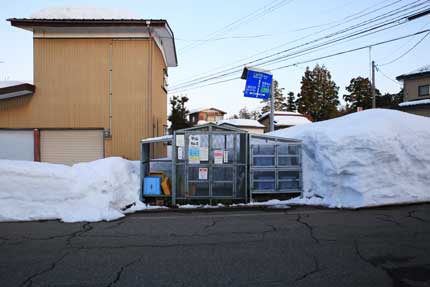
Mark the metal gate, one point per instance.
(275, 165)
(210, 162)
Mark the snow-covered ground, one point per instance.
(370, 158)
(99, 190)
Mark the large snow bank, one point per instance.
(375, 157)
(82, 13)
(94, 191)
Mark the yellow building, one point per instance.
(99, 88)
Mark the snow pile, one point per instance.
(370, 158)
(414, 103)
(93, 191)
(89, 13)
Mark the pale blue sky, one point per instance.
(194, 20)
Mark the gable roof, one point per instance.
(93, 19)
(241, 123)
(196, 110)
(12, 89)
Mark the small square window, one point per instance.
(423, 91)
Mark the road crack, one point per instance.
(121, 271)
(387, 218)
(314, 270)
(309, 227)
(411, 214)
(29, 281)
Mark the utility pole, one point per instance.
(373, 86)
(272, 109)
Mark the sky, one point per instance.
(194, 22)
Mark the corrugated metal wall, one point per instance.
(72, 91)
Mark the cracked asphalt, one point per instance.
(293, 247)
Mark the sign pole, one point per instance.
(272, 109)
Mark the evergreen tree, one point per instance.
(279, 99)
(318, 96)
(360, 94)
(291, 103)
(244, 113)
(389, 101)
(179, 113)
(255, 115)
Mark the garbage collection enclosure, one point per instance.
(275, 166)
(210, 162)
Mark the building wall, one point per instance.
(420, 111)
(72, 91)
(253, 130)
(266, 123)
(411, 88)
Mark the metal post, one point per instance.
(272, 108)
(373, 86)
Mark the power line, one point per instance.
(407, 52)
(258, 13)
(350, 17)
(392, 21)
(233, 69)
(386, 76)
(318, 58)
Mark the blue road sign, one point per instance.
(258, 85)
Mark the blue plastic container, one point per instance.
(152, 185)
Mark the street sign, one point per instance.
(258, 85)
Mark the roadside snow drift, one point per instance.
(370, 158)
(94, 191)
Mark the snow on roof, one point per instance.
(414, 103)
(423, 69)
(241, 123)
(82, 13)
(281, 113)
(196, 110)
(158, 139)
(291, 120)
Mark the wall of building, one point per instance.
(411, 88)
(72, 91)
(420, 111)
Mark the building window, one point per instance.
(423, 91)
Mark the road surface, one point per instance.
(294, 247)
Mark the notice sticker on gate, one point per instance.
(193, 155)
(203, 173)
(225, 156)
(218, 156)
(194, 140)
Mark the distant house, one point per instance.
(283, 120)
(416, 86)
(206, 115)
(252, 126)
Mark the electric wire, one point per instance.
(390, 21)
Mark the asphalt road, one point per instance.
(295, 247)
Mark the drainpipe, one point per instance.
(150, 117)
(109, 131)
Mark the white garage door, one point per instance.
(17, 145)
(71, 146)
